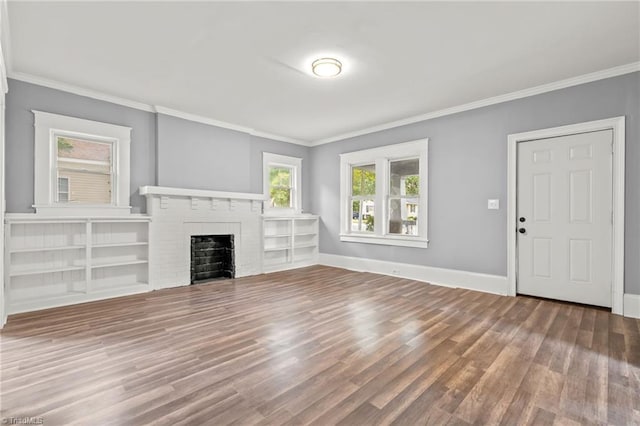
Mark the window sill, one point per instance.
(82, 210)
(386, 240)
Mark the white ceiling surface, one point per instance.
(247, 63)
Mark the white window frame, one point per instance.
(382, 157)
(68, 191)
(48, 127)
(295, 164)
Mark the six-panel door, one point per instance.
(564, 218)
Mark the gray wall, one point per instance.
(22, 98)
(468, 165)
(200, 156)
(165, 150)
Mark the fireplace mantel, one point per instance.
(178, 214)
(164, 191)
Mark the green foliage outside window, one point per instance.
(412, 185)
(368, 221)
(280, 187)
(65, 145)
(363, 181)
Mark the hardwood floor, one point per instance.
(323, 346)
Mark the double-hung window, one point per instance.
(384, 195)
(81, 166)
(363, 197)
(89, 165)
(282, 183)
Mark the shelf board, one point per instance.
(141, 243)
(19, 273)
(111, 264)
(39, 249)
(305, 234)
(277, 236)
(277, 248)
(301, 246)
(107, 287)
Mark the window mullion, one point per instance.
(381, 177)
(423, 194)
(54, 172)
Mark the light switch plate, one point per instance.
(493, 204)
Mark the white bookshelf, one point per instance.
(289, 242)
(60, 261)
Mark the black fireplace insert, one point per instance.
(212, 257)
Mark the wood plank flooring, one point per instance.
(321, 346)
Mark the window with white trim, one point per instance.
(81, 166)
(282, 177)
(383, 195)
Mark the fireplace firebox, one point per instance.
(212, 257)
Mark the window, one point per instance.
(404, 196)
(282, 183)
(280, 187)
(63, 190)
(81, 166)
(384, 195)
(363, 193)
(89, 166)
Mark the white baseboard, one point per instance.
(632, 305)
(495, 284)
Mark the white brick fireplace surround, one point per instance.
(177, 214)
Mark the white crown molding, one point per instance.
(93, 94)
(201, 119)
(225, 125)
(81, 91)
(574, 81)
(537, 90)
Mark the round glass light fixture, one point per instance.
(326, 67)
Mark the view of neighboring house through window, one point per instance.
(363, 192)
(85, 171)
(280, 178)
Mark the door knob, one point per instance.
(522, 230)
(522, 219)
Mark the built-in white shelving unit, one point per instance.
(55, 261)
(289, 241)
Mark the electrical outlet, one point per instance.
(493, 204)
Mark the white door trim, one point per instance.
(617, 125)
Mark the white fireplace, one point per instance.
(178, 214)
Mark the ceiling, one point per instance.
(248, 63)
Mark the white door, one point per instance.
(565, 218)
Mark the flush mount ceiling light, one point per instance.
(326, 67)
